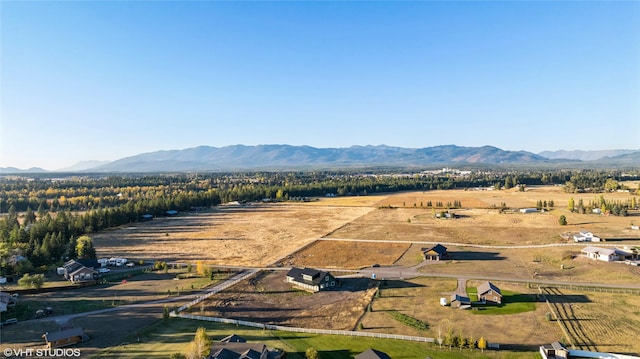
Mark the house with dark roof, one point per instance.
(235, 350)
(435, 253)
(64, 337)
(311, 279)
(372, 354)
(489, 293)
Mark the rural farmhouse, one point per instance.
(236, 347)
(601, 254)
(435, 253)
(78, 273)
(489, 293)
(585, 236)
(311, 279)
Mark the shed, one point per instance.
(458, 301)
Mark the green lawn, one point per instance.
(512, 303)
(172, 335)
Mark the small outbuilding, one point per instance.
(458, 301)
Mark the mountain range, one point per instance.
(275, 157)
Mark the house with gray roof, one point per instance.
(489, 293)
(372, 354)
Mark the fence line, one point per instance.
(228, 283)
(590, 289)
(304, 330)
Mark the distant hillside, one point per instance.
(626, 159)
(13, 170)
(583, 155)
(239, 157)
(83, 165)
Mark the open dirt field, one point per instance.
(269, 299)
(346, 255)
(239, 235)
(419, 298)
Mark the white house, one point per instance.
(601, 254)
(585, 236)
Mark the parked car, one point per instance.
(104, 270)
(130, 264)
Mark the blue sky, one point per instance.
(105, 80)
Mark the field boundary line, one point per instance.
(304, 330)
(455, 244)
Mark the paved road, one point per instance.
(215, 289)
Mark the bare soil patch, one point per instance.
(269, 299)
(346, 255)
(232, 235)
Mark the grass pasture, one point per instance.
(255, 235)
(171, 336)
(512, 303)
(607, 322)
(419, 298)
